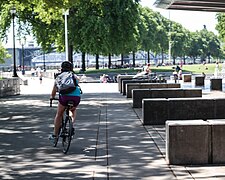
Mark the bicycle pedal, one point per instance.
(62, 135)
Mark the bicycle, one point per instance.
(66, 129)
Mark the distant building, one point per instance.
(29, 53)
(34, 57)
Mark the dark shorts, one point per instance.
(64, 99)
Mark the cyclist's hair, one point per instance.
(66, 66)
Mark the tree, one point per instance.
(161, 43)
(210, 44)
(204, 44)
(179, 38)
(107, 27)
(220, 27)
(194, 46)
(147, 28)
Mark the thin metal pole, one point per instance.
(14, 49)
(169, 39)
(23, 70)
(44, 61)
(66, 35)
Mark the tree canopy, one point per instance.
(106, 27)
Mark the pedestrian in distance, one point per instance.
(41, 77)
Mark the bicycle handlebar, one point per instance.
(51, 99)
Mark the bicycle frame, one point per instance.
(65, 131)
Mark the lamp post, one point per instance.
(66, 13)
(22, 42)
(13, 12)
(170, 45)
(44, 61)
(169, 51)
(23, 71)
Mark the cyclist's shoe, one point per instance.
(53, 139)
(62, 134)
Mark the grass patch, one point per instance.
(195, 69)
(106, 71)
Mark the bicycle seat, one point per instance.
(70, 103)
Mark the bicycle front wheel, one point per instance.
(67, 134)
(56, 140)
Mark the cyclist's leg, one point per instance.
(74, 114)
(58, 118)
(73, 118)
(76, 101)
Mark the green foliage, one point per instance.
(147, 27)
(3, 54)
(221, 25)
(162, 40)
(107, 27)
(179, 38)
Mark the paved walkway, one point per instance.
(110, 141)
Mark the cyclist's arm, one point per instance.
(54, 90)
(77, 78)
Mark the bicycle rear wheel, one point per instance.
(67, 134)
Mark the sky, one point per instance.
(191, 20)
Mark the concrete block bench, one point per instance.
(216, 84)
(122, 77)
(194, 142)
(199, 80)
(131, 86)
(157, 111)
(139, 94)
(125, 82)
(187, 142)
(186, 77)
(218, 140)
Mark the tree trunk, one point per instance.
(133, 59)
(83, 62)
(148, 56)
(174, 60)
(184, 60)
(162, 57)
(209, 59)
(97, 61)
(70, 53)
(110, 61)
(121, 59)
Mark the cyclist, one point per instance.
(74, 96)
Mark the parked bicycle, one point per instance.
(66, 131)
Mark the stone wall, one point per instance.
(9, 87)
